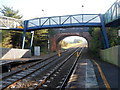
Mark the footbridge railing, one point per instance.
(113, 13)
(64, 21)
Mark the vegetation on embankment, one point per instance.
(66, 45)
(13, 39)
(96, 43)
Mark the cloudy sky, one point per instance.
(42, 8)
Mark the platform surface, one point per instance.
(83, 76)
(10, 61)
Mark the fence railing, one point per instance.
(8, 22)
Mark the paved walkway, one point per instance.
(83, 76)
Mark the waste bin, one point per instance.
(37, 51)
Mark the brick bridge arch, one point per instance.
(60, 36)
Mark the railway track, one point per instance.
(8, 79)
(59, 76)
(45, 70)
(26, 66)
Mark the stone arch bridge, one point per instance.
(82, 32)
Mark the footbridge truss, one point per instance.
(80, 20)
(112, 16)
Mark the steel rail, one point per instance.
(13, 83)
(55, 69)
(33, 64)
(70, 72)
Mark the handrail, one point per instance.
(67, 20)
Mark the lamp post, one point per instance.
(82, 12)
(82, 8)
(43, 13)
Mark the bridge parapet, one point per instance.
(113, 13)
(8, 22)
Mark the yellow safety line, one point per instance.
(103, 77)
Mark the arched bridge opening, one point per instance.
(72, 42)
(60, 36)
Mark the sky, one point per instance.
(45, 8)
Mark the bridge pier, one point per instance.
(24, 34)
(31, 42)
(103, 30)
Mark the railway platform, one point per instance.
(92, 72)
(83, 75)
(7, 64)
(22, 60)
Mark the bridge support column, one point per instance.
(31, 42)
(53, 44)
(24, 34)
(103, 30)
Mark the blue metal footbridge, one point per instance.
(110, 19)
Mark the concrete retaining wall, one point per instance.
(11, 53)
(111, 55)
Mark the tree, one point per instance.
(113, 37)
(9, 12)
(96, 42)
